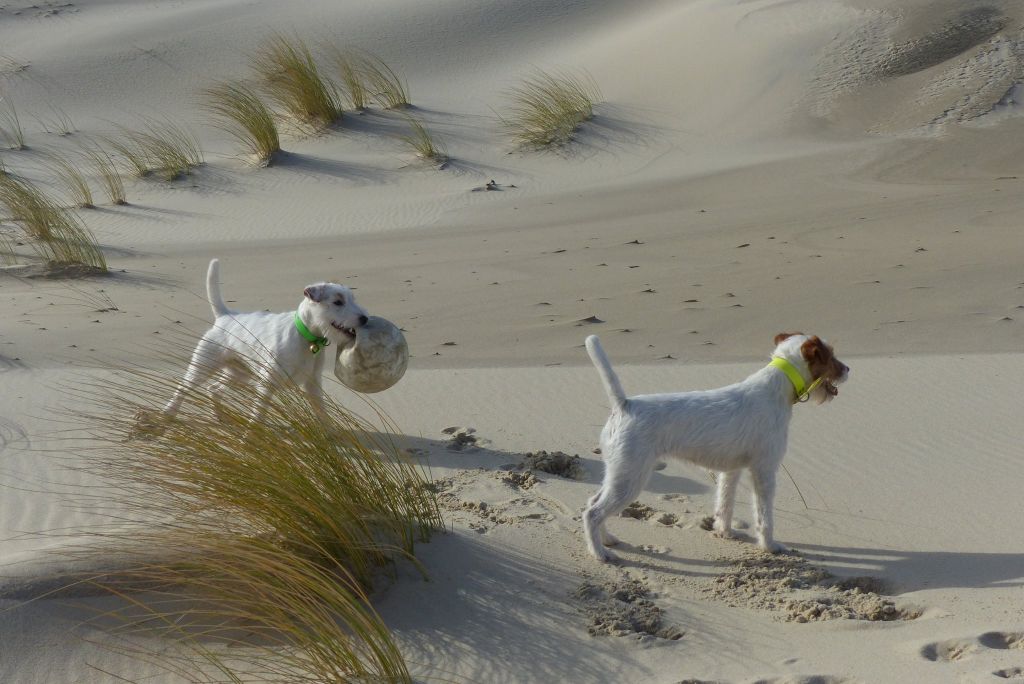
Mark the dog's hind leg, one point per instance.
(203, 365)
(764, 498)
(607, 538)
(621, 486)
(724, 501)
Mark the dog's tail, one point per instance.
(611, 381)
(213, 290)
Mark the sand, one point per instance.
(852, 169)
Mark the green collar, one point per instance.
(315, 343)
(803, 392)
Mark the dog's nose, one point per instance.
(363, 320)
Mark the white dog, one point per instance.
(728, 429)
(271, 345)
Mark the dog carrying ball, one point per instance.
(376, 360)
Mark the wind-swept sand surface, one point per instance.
(852, 169)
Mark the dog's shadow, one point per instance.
(907, 571)
(479, 454)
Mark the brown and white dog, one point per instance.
(740, 426)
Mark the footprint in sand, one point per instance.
(953, 650)
(1002, 640)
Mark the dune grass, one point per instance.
(289, 75)
(270, 531)
(104, 166)
(365, 77)
(235, 609)
(388, 89)
(59, 123)
(10, 126)
(349, 66)
(57, 236)
(420, 140)
(132, 155)
(72, 178)
(160, 147)
(238, 110)
(547, 108)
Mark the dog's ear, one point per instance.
(784, 336)
(315, 293)
(816, 351)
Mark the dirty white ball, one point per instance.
(376, 360)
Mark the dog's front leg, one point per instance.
(724, 501)
(764, 501)
(315, 391)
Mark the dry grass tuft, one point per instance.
(353, 80)
(239, 111)
(58, 123)
(270, 530)
(131, 154)
(10, 126)
(105, 167)
(365, 77)
(289, 75)
(388, 89)
(72, 179)
(57, 236)
(548, 108)
(161, 147)
(423, 143)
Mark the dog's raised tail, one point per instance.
(611, 381)
(213, 289)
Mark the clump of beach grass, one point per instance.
(132, 155)
(59, 123)
(238, 110)
(290, 76)
(547, 108)
(365, 77)
(10, 126)
(353, 81)
(420, 140)
(57, 236)
(160, 147)
(274, 527)
(216, 607)
(72, 178)
(388, 89)
(104, 166)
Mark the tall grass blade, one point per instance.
(10, 126)
(238, 110)
(57, 236)
(547, 109)
(72, 179)
(423, 143)
(290, 77)
(106, 169)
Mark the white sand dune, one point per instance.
(852, 169)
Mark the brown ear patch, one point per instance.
(784, 336)
(821, 360)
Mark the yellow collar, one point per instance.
(803, 392)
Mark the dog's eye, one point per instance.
(339, 302)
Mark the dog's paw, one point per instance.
(147, 425)
(604, 555)
(718, 528)
(773, 547)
